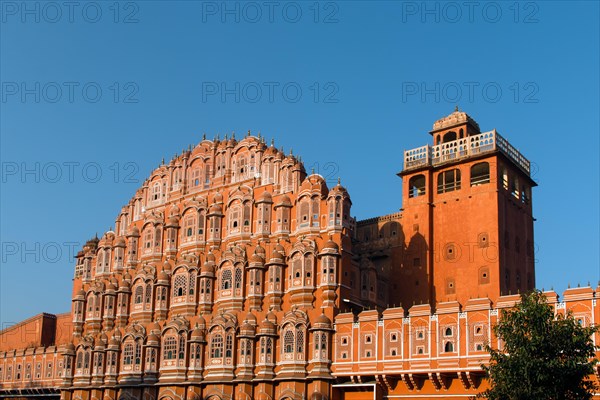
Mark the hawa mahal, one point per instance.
(234, 274)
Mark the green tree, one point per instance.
(542, 357)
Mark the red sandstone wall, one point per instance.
(32, 332)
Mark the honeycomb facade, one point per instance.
(234, 274)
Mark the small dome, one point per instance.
(201, 322)
(173, 220)
(197, 334)
(134, 231)
(127, 276)
(207, 268)
(152, 339)
(81, 293)
(330, 244)
(114, 341)
(210, 257)
(120, 242)
(285, 201)
(266, 196)
(267, 325)
(167, 266)
(215, 209)
(111, 287)
(256, 258)
(70, 347)
(323, 320)
(103, 338)
(163, 276)
(272, 317)
(218, 198)
(250, 318)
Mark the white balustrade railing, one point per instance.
(462, 148)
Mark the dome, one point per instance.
(330, 244)
(215, 209)
(210, 257)
(454, 119)
(134, 231)
(127, 276)
(250, 318)
(207, 269)
(152, 339)
(201, 322)
(266, 196)
(103, 338)
(260, 250)
(267, 325)
(247, 329)
(81, 293)
(197, 334)
(256, 258)
(323, 320)
(167, 266)
(173, 221)
(111, 287)
(163, 276)
(120, 242)
(284, 201)
(218, 198)
(114, 341)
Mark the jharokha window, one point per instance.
(293, 343)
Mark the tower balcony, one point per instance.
(467, 147)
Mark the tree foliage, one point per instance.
(542, 357)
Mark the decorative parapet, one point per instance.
(466, 147)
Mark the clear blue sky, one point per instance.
(349, 85)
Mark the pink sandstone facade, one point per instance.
(234, 274)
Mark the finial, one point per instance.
(569, 285)
(204, 136)
(578, 284)
(456, 108)
(225, 136)
(272, 142)
(259, 135)
(233, 134)
(291, 151)
(163, 161)
(313, 171)
(339, 180)
(248, 132)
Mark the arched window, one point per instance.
(229, 346)
(480, 174)
(448, 181)
(181, 352)
(169, 347)
(247, 215)
(216, 346)
(148, 298)
(238, 278)
(226, 279)
(288, 342)
(179, 285)
(449, 136)
(304, 213)
(448, 332)
(416, 186)
(448, 347)
(139, 294)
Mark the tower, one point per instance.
(467, 214)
